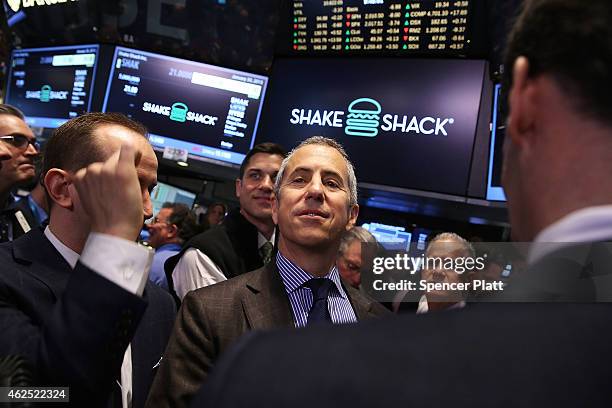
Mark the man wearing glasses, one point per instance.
(18, 170)
(170, 228)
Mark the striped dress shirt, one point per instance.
(300, 296)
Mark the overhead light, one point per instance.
(182, 163)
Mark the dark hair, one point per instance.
(184, 219)
(570, 40)
(217, 204)
(72, 145)
(11, 110)
(268, 148)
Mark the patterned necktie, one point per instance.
(319, 311)
(265, 252)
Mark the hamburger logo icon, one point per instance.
(363, 118)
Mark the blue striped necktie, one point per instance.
(319, 312)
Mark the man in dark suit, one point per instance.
(556, 159)
(16, 217)
(315, 203)
(74, 298)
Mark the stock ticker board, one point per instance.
(379, 26)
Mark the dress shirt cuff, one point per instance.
(123, 262)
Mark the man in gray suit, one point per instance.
(315, 203)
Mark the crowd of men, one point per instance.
(90, 308)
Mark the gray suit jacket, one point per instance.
(212, 318)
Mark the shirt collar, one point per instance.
(37, 210)
(590, 224)
(68, 254)
(295, 277)
(261, 240)
(171, 246)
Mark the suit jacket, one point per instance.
(212, 318)
(74, 326)
(493, 354)
(7, 216)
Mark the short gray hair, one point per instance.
(322, 141)
(355, 234)
(451, 236)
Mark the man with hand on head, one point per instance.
(74, 298)
(315, 202)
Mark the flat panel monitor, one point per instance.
(164, 193)
(378, 26)
(209, 112)
(52, 85)
(405, 123)
(495, 191)
(390, 237)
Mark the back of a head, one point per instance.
(74, 145)
(570, 41)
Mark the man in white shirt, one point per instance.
(245, 240)
(74, 298)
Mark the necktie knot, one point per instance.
(265, 252)
(320, 288)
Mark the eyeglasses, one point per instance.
(156, 220)
(20, 142)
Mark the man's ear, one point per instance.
(172, 231)
(57, 183)
(353, 214)
(238, 187)
(523, 107)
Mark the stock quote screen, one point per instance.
(348, 26)
(190, 108)
(52, 85)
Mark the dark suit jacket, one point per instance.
(73, 326)
(212, 318)
(7, 216)
(488, 355)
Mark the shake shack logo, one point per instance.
(15, 5)
(364, 119)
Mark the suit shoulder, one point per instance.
(160, 298)
(225, 289)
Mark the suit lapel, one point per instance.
(143, 350)
(361, 305)
(265, 302)
(44, 262)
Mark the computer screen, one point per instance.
(390, 237)
(378, 26)
(210, 113)
(407, 123)
(164, 193)
(52, 85)
(495, 191)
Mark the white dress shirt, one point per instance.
(196, 270)
(128, 267)
(591, 224)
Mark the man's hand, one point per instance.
(110, 194)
